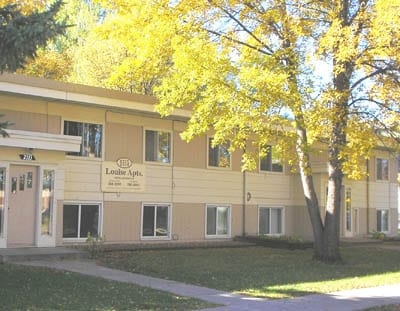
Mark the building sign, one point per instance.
(123, 176)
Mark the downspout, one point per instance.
(367, 198)
(244, 197)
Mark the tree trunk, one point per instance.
(326, 235)
(309, 189)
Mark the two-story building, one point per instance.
(80, 160)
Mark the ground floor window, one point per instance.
(156, 220)
(270, 220)
(81, 220)
(218, 220)
(382, 220)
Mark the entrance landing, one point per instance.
(40, 253)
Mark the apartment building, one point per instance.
(82, 161)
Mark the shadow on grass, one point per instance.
(263, 272)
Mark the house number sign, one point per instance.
(27, 157)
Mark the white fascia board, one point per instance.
(85, 99)
(38, 140)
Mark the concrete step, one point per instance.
(40, 253)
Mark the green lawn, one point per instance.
(29, 288)
(263, 272)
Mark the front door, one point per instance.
(22, 206)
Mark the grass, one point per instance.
(263, 272)
(395, 307)
(29, 288)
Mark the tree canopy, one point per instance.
(251, 73)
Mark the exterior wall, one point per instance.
(121, 221)
(187, 184)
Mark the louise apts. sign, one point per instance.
(123, 176)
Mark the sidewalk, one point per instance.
(357, 299)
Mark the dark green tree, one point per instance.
(21, 35)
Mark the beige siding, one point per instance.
(236, 220)
(251, 219)
(121, 221)
(82, 180)
(76, 112)
(191, 154)
(59, 223)
(383, 195)
(188, 221)
(123, 140)
(29, 121)
(269, 188)
(139, 120)
(207, 186)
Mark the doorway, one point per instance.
(22, 206)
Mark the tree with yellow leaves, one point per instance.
(284, 72)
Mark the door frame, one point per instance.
(3, 236)
(46, 240)
(39, 239)
(348, 233)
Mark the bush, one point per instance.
(95, 245)
(282, 241)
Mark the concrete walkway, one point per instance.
(344, 301)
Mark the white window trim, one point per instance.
(170, 147)
(383, 209)
(208, 157)
(165, 238)
(218, 236)
(281, 207)
(68, 156)
(376, 169)
(100, 220)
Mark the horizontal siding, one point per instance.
(207, 186)
(269, 188)
(82, 180)
(383, 195)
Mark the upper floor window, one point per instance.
(382, 169)
(157, 146)
(219, 155)
(91, 135)
(271, 162)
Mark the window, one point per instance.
(270, 220)
(219, 155)
(155, 221)
(47, 202)
(157, 146)
(382, 169)
(91, 138)
(382, 220)
(271, 162)
(218, 221)
(80, 220)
